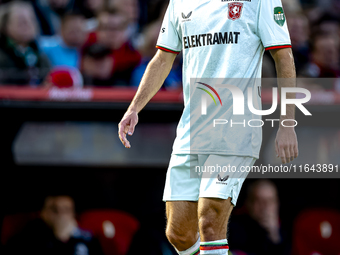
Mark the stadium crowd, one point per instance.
(112, 41)
(109, 41)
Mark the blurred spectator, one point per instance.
(112, 33)
(97, 66)
(155, 10)
(322, 8)
(49, 13)
(55, 232)
(291, 6)
(148, 50)
(90, 8)
(259, 231)
(21, 62)
(66, 49)
(130, 10)
(335, 8)
(299, 34)
(111, 30)
(64, 77)
(328, 24)
(324, 57)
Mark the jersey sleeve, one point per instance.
(169, 39)
(272, 25)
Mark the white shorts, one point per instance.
(192, 176)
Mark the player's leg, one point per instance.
(181, 196)
(182, 226)
(213, 215)
(219, 191)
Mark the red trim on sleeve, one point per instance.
(168, 50)
(279, 47)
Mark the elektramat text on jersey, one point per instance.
(210, 39)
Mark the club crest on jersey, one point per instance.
(279, 16)
(235, 10)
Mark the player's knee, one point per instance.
(180, 239)
(213, 217)
(208, 230)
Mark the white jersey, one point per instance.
(221, 39)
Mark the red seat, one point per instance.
(13, 224)
(317, 232)
(114, 229)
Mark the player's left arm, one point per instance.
(286, 145)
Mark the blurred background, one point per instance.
(68, 70)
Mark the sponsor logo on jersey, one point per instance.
(163, 30)
(222, 180)
(235, 10)
(201, 40)
(186, 17)
(279, 16)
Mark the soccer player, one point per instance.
(219, 39)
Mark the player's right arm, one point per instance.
(155, 74)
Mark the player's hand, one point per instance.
(127, 126)
(286, 145)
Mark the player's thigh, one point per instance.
(181, 184)
(182, 217)
(213, 216)
(226, 180)
(219, 191)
